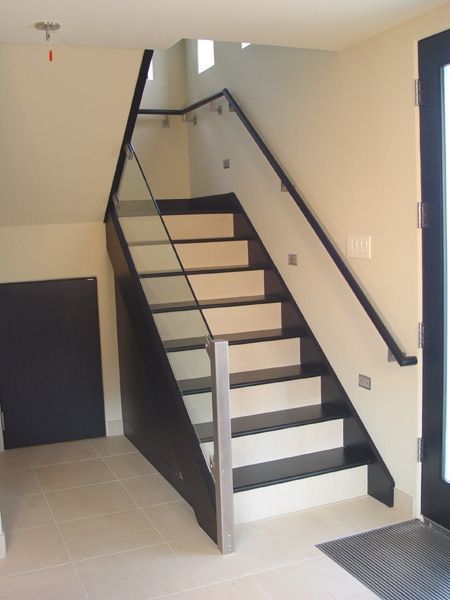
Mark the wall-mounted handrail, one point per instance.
(401, 357)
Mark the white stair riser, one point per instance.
(160, 290)
(213, 254)
(154, 258)
(243, 357)
(236, 319)
(273, 445)
(188, 227)
(143, 229)
(190, 364)
(179, 325)
(228, 285)
(258, 399)
(297, 495)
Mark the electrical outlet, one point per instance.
(365, 382)
(292, 260)
(226, 163)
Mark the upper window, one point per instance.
(245, 44)
(150, 72)
(205, 54)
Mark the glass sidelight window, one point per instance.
(446, 185)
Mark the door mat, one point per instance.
(405, 561)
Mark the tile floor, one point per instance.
(93, 519)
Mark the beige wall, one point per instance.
(345, 127)
(61, 127)
(163, 152)
(33, 253)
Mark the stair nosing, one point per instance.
(335, 414)
(212, 240)
(358, 461)
(219, 303)
(200, 342)
(206, 271)
(309, 371)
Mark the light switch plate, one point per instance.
(359, 246)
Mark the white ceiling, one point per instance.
(318, 24)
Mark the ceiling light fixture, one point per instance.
(48, 27)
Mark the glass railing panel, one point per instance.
(177, 315)
(164, 293)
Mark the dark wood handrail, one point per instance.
(401, 357)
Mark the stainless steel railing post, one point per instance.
(222, 467)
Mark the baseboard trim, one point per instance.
(404, 503)
(2, 540)
(114, 427)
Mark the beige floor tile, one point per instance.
(135, 575)
(367, 513)
(283, 583)
(259, 546)
(368, 595)
(347, 518)
(174, 520)
(25, 512)
(117, 444)
(85, 472)
(331, 577)
(18, 483)
(96, 536)
(58, 583)
(151, 490)
(12, 460)
(129, 465)
(89, 501)
(331, 525)
(53, 454)
(30, 549)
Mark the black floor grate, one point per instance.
(406, 561)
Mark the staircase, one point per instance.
(297, 440)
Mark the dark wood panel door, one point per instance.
(50, 365)
(434, 62)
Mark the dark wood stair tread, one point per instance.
(234, 238)
(200, 385)
(220, 203)
(295, 467)
(207, 270)
(234, 339)
(276, 420)
(218, 303)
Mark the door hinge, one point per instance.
(420, 450)
(418, 95)
(2, 417)
(421, 334)
(422, 215)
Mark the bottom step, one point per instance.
(298, 482)
(292, 496)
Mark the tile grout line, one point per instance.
(158, 531)
(64, 541)
(238, 577)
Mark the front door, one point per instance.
(434, 66)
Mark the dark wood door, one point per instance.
(50, 366)
(434, 61)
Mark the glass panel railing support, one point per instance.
(222, 467)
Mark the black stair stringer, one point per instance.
(154, 414)
(356, 437)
